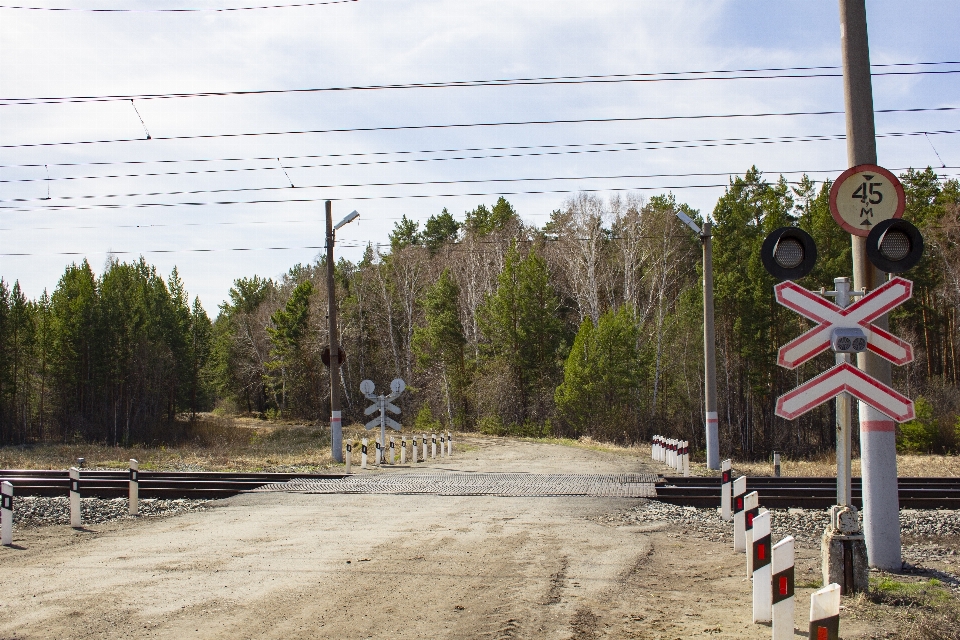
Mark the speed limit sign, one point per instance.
(863, 196)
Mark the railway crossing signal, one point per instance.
(845, 378)
(383, 404)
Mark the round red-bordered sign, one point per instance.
(863, 196)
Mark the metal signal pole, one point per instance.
(878, 450)
(336, 428)
(709, 353)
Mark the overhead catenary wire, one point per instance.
(608, 148)
(779, 73)
(420, 127)
(180, 10)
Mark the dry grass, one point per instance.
(208, 444)
(908, 466)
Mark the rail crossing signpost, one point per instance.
(383, 404)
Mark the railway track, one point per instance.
(807, 492)
(153, 484)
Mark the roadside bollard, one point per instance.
(413, 451)
(403, 449)
(433, 445)
(776, 464)
(75, 520)
(739, 490)
(392, 450)
(449, 444)
(762, 594)
(750, 510)
(686, 458)
(726, 478)
(825, 613)
(134, 499)
(6, 514)
(379, 453)
(363, 454)
(443, 446)
(424, 440)
(782, 600)
(346, 458)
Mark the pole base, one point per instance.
(844, 561)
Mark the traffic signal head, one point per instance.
(894, 245)
(848, 341)
(788, 253)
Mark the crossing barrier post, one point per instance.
(346, 459)
(782, 588)
(6, 514)
(739, 492)
(134, 497)
(363, 453)
(825, 613)
(751, 507)
(762, 594)
(726, 485)
(76, 520)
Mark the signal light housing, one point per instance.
(894, 245)
(788, 253)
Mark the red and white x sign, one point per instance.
(858, 315)
(845, 378)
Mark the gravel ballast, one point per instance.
(30, 511)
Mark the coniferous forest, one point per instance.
(588, 326)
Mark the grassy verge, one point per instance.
(922, 610)
(207, 444)
(908, 466)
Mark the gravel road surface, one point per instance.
(301, 565)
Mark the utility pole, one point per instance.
(709, 342)
(709, 352)
(878, 450)
(336, 428)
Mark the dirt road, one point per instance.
(277, 565)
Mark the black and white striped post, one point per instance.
(726, 486)
(443, 445)
(413, 450)
(75, 520)
(363, 453)
(403, 449)
(433, 445)
(739, 491)
(424, 442)
(762, 596)
(134, 493)
(751, 508)
(776, 464)
(449, 444)
(379, 457)
(347, 459)
(782, 583)
(825, 613)
(6, 514)
(393, 449)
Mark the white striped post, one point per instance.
(751, 507)
(379, 457)
(776, 464)
(433, 445)
(449, 444)
(686, 458)
(443, 445)
(762, 596)
(6, 514)
(134, 497)
(413, 451)
(363, 453)
(739, 491)
(825, 613)
(403, 449)
(424, 441)
(782, 587)
(75, 520)
(346, 459)
(392, 450)
(726, 485)
(653, 448)
(661, 449)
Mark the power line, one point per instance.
(421, 127)
(673, 144)
(671, 76)
(195, 10)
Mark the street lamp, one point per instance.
(709, 343)
(336, 426)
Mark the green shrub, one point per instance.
(921, 434)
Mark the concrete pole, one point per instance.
(878, 449)
(709, 353)
(336, 426)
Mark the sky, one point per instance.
(220, 206)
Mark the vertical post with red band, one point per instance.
(762, 597)
(825, 613)
(739, 492)
(751, 508)
(6, 513)
(726, 485)
(782, 598)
